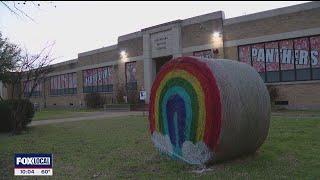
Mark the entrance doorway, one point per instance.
(160, 61)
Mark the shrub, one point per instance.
(121, 92)
(94, 100)
(133, 96)
(6, 122)
(273, 92)
(15, 115)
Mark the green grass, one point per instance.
(121, 148)
(298, 112)
(60, 113)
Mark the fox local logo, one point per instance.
(25, 160)
(33, 161)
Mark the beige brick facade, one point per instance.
(200, 33)
(273, 25)
(302, 95)
(193, 35)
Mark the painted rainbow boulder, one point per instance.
(205, 110)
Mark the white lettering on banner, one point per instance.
(260, 55)
(254, 52)
(314, 57)
(271, 55)
(301, 56)
(286, 56)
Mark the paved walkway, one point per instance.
(93, 116)
(111, 114)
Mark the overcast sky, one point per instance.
(82, 26)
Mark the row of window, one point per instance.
(285, 60)
(94, 80)
(63, 84)
(28, 86)
(102, 88)
(98, 80)
(34, 94)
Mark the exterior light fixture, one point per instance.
(123, 54)
(216, 34)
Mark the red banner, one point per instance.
(74, 80)
(100, 77)
(315, 51)
(272, 56)
(257, 54)
(301, 53)
(131, 72)
(51, 83)
(286, 54)
(110, 75)
(244, 54)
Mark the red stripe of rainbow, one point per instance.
(202, 73)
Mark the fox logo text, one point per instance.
(33, 164)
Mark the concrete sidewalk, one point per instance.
(98, 115)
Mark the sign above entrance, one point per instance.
(160, 42)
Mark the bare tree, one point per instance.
(28, 68)
(9, 53)
(18, 7)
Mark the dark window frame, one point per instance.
(129, 85)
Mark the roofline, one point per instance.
(272, 13)
(103, 49)
(130, 36)
(204, 17)
(64, 63)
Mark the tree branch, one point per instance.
(22, 12)
(11, 10)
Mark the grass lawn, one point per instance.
(298, 112)
(121, 148)
(60, 113)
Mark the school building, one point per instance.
(283, 45)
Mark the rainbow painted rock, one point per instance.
(205, 110)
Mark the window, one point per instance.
(204, 54)
(258, 59)
(284, 60)
(98, 80)
(131, 73)
(27, 88)
(315, 56)
(287, 60)
(302, 59)
(272, 62)
(245, 54)
(63, 84)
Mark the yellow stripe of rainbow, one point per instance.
(199, 91)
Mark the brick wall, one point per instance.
(200, 33)
(99, 57)
(303, 95)
(273, 25)
(133, 47)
